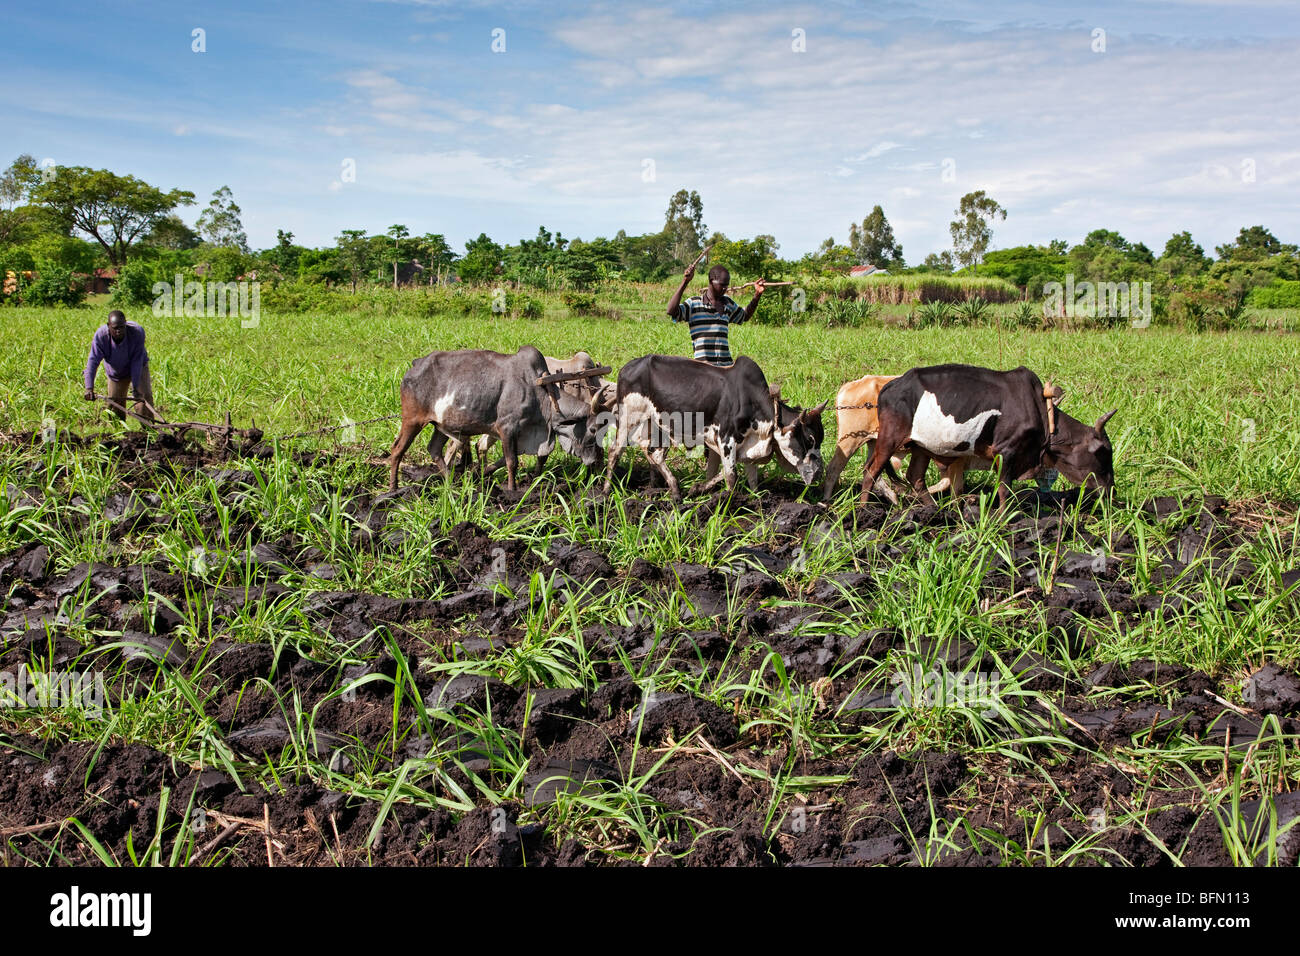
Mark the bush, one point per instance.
(1282, 294)
(54, 285)
(937, 313)
(972, 311)
(134, 286)
(580, 303)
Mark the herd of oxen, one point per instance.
(958, 416)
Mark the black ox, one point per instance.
(666, 400)
(952, 413)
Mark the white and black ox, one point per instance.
(968, 416)
(475, 392)
(666, 400)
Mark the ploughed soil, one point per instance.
(712, 801)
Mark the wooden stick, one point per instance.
(737, 288)
(703, 252)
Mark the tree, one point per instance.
(939, 261)
(482, 259)
(1252, 243)
(16, 186)
(284, 256)
(971, 233)
(113, 210)
(170, 232)
(1183, 256)
(397, 233)
(434, 250)
(873, 243)
(684, 225)
(354, 253)
(220, 224)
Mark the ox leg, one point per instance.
(893, 434)
(916, 471)
(409, 430)
(876, 481)
(436, 444)
(727, 460)
(512, 460)
(751, 474)
(658, 458)
(620, 442)
(845, 450)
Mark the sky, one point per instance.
(1146, 117)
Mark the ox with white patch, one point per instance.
(475, 392)
(966, 414)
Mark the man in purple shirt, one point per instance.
(119, 344)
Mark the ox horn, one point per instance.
(1101, 422)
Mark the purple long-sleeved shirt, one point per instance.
(121, 359)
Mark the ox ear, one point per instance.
(1100, 427)
(809, 414)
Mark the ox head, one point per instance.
(1081, 452)
(798, 433)
(579, 438)
(574, 427)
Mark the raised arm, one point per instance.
(676, 301)
(753, 303)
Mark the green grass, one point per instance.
(1212, 412)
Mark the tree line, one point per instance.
(58, 222)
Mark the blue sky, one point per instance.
(593, 115)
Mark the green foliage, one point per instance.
(580, 303)
(1026, 266)
(54, 285)
(932, 314)
(1279, 294)
(971, 232)
(134, 286)
(219, 223)
(973, 310)
(873, 243)
(482, 259)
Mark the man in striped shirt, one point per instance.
(708, 315)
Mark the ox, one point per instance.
(668, 400)
(857, 424)
(575, 397)
(961, 415)
(474, 392)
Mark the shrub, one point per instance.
(937, 313)
(580, 303)
(134, 286)
(54, 285)
(1282, 294)
(973, 310)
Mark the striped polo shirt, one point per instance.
(709, 327)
